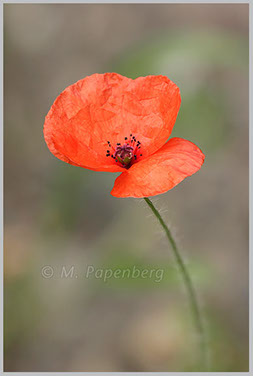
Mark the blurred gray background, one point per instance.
(61, 215)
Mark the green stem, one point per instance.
(189, 287)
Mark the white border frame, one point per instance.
(250, 2)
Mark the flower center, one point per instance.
(127, 153)
(124, 154)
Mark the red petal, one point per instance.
(158, 173)
(106, 107)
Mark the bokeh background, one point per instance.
(60, 215)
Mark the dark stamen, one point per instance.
(126, 153)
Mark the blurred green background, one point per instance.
(59, 215)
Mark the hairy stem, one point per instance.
(189, 287)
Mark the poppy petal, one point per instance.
(158, 173)
(110, 107)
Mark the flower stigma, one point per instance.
(127, 153)
(124, 154)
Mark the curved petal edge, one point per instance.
(161, 171)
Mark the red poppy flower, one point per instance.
(108, 122)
